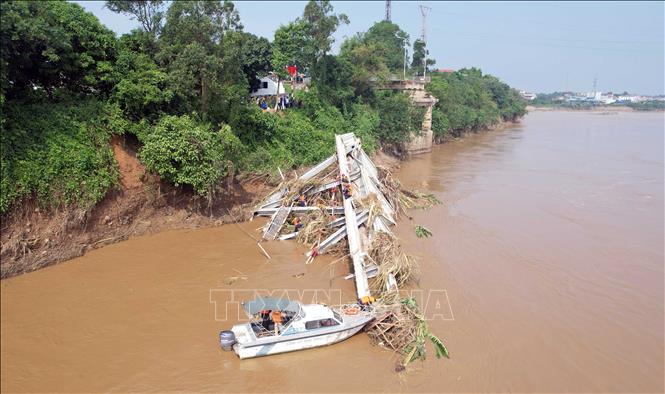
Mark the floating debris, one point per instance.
(422, 232)
(233, 279)
(400, 326)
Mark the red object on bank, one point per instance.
(292, 70)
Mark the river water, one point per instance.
(546, 266)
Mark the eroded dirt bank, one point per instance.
(141, 204)
(33, 238)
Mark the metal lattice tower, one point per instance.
(388, 10)
(423, 11)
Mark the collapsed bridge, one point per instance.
(346, 189)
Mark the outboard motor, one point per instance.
(227, 339)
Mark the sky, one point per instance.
(534, 46)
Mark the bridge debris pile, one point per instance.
(346, 205)
(340, 199)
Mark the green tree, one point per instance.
(332, 76)
(143, 90)
(368, 64)
(51, 45)
(419, 55)
(322, 23)
(390, 41)
(292, 46)
(149, 13)
(256, 54)
(200, 64)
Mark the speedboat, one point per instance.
(279, 325)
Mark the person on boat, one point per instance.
(265, 318)
(277, 319)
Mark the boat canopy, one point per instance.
(262, 303)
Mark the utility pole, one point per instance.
(388, 10)
(423, 35)
(404, 78)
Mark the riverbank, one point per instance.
(142, 204)
(33, 239)
(457, 135)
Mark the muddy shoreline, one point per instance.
(33, 238)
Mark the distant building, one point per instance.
(445, 70)
(607, 98)
(268, 87)
(528, 95)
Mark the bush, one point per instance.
(298, 139)
(59, 153)
(364, 122)
(188, 153)
(470, 100)
(399, 118)
(440, 123)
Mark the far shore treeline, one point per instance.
(179, 86)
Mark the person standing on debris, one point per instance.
(301, 200)
(333, 195)
(347, 191)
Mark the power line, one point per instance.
(536, 22)
(574, 40)
(538, 43)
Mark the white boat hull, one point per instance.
(258, 350)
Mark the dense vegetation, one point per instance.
(180, 84)
(469, 100)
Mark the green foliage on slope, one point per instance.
(181, 84)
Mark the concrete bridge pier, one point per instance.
(422, 143)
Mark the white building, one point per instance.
(268, 87)
(528, 95)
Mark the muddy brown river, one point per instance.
(546, 267)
